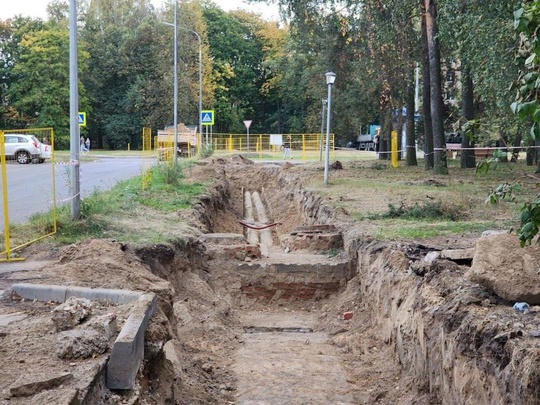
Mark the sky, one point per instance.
(37, 8)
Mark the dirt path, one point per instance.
(282, 361)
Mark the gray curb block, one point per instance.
(128, 348)
(60, 293)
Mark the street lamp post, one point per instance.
(175, 106)
(322, 129)
(330, 79)
(200, 78)
(74, 143)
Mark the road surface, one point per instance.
(30, 186)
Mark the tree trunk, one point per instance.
(468, 159)
(440, 165)
(426, 98)
(386, 129)
(410, 146)
(516, 146)
(399, 130)
(529, 158)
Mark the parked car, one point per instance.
(26, 148)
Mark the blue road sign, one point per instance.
(82, 119)
(207, 117)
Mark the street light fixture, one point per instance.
(175, 107)
(330, 79)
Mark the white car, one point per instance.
(26, 148)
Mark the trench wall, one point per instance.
(292, 197)
(442, 333)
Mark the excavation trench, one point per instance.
(270, 263)
(311, 311)
(308, 310)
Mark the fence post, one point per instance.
(4, 195)
(7, 241)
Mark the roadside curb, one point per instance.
(128, 348)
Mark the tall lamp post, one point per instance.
(322, 129)
(200, 78)
(175, 106)
(74, 141)
(330, 79)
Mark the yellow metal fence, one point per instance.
(26, 188)
(147, 157)
(262, 146)
(303, 146)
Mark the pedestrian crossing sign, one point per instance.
(82, 119)
(207, 117)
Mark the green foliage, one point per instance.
(530, 219)
(433, 210)
(379, 166)
(166, 174)
(526, 107)
(478, 35)
(414, 231)
(240, 44)
(207, 150)
(333, 252)
(526, 22)
(504, 192)
(40, 87)
(492, 163)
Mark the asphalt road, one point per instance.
(30, 186)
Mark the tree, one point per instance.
(11, 35)
(237, 55)
(527, 104)
(439, 143)
(429, 160)
(467, 140)
(121, 38)
(40, 88)
(482, 61)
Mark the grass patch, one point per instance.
(410, 202)
(423, 229)
(124, 211)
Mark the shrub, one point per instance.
(429, 210)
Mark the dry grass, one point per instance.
(366, 190)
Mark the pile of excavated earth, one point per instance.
(273, 298)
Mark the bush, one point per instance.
(206, 151)
(429, 210)
(167, 174)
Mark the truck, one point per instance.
(365, 142)
(186, 141)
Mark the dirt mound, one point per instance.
(101, 263)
